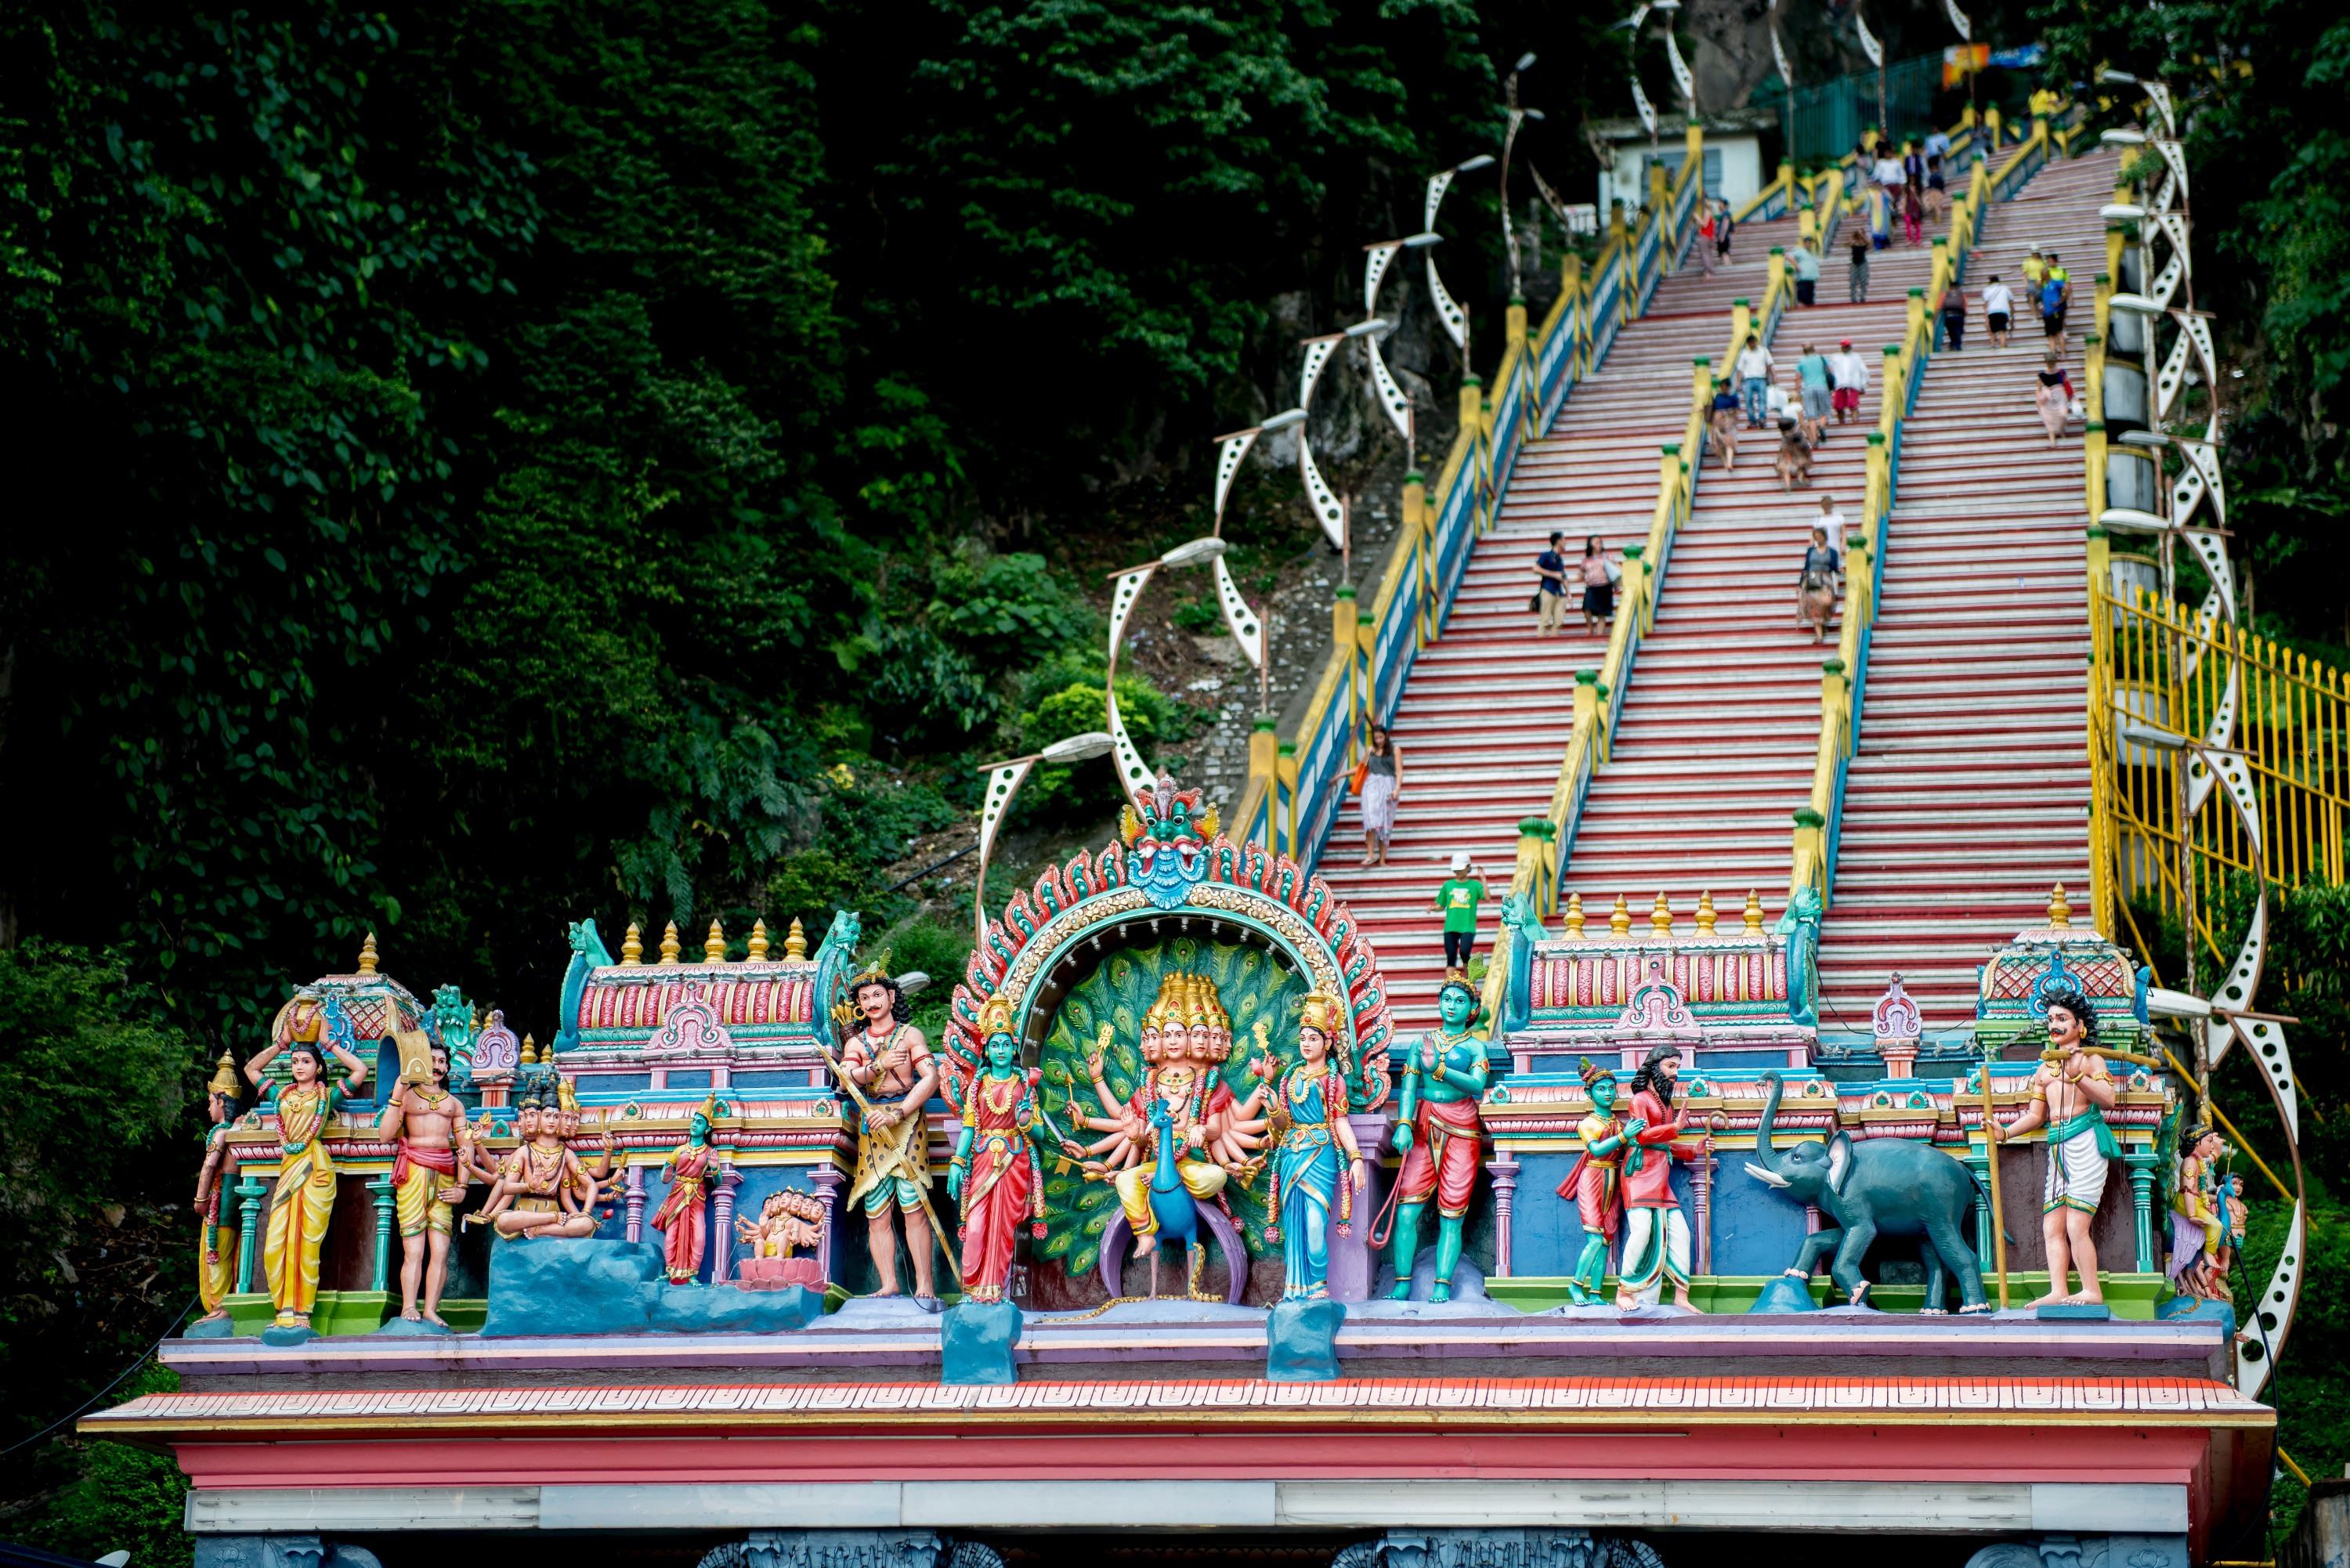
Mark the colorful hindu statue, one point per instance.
(216, 1234)
(994, 1173)
(689, 1170)
(599, 1180)
(1656, 1230)
(887, 1068)
(1129, 1138)
(542, 1189)
(1308, 1177)
(303, 1200)
(788, 1220)
(428, 1177)
(1595, 1183)
(1437, 1134)
(2071, 1092)
(2199, 1222)
(1179, 1088)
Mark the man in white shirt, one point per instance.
(1831, 521)
(1755, 377)
(1886, 170)
(1938, 145)
(1998, 303)
(1849, 375)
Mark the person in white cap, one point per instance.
(1459, 898)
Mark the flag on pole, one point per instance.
(1959, 20)
(1868, 43)
(1648, 110)
(1779, 53)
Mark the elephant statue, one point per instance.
(1517, 992)
(1881, 1186)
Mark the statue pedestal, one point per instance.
(2078, 1311)
(1353, 1266)
(1301, 1341)
(1783, 1295)
(977, 1339)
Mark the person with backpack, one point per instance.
(1550, 590)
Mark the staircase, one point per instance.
(1484, 724)
(1968, 796)
(1714, 747)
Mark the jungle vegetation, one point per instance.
(483, 464)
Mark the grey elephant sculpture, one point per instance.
(1883, 1187)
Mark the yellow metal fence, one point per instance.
(2160, 675)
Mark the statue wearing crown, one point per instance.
(689, 1170)
(1184, 1082)
(1309, 1179)
(994, 1173)
(888, 1071)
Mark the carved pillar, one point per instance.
(1504, 1168)
(1354, 1267)
(1701, 1188)
(636, 1231)
(249, 1192)
(828, 1182)
(722, 1224)
(2141, 1164)
(1979, 1163)
(380, 1189)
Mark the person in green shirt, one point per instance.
(1459, 898)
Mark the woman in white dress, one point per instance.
(1382, 784)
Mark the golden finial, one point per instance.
(1619, 922)
(758, 941)
(795, 941)
(1575, 917)
(713, 946)
(1754, 913)
(223, 1076)
(632, 950)
(367, 955)
(2060, 913)
(1661, 918)
(1705, 913)
(670, 948)
(529, 1051)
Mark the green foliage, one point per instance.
(1068, 793)
(938, 949)
(86, 1081)
(124, 1498)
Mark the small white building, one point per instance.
(1733, 155)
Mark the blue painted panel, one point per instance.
(794, 1078)
(1755, 1230)
(689, 1080)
